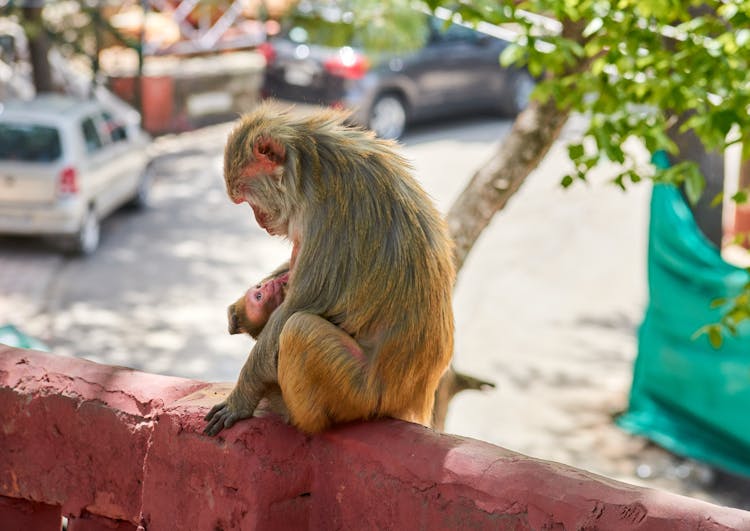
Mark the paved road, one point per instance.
(547, 304)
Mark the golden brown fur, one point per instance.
(366, 329)
(242, 321)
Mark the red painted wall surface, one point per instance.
(113, 448)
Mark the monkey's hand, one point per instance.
(224, 415)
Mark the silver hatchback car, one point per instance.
(65, 164)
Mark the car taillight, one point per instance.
(267, 51)
(347, 64)
(68, 182)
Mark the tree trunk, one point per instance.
(708, 215)
(38, 47)
(529, 140)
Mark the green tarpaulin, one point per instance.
(13, 337)
(687, 396)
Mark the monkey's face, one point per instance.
(263, 299)
(254, 170)
(268, 199)
(239, 322)
(250, 313)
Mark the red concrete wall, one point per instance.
(113, 448)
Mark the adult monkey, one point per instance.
(250, 313)
(366, 328)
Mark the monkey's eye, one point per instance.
(258, 296)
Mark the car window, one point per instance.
(451, 33)
(90, 135)
(7, 48)
(30, 143)
(113, 129)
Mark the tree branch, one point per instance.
(531, 137)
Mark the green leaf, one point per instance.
(713, 331)
(740, 197)
(723, 121)
(512, 54)
(542, 92)
(737, 314)
(717, 200)
(694, 184)
(714, 336)
(615, 153)
(575, 151)
(717, 303)
(566, 181)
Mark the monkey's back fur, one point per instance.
(372, 256)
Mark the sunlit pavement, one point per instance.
(547, 304)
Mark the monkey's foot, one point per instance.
(222, 416)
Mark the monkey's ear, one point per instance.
(267, 149)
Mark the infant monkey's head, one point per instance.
(250, 313)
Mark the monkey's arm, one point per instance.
(256, 377)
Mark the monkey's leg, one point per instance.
(322, 374)
(273, 403)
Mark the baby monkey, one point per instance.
(250, 313)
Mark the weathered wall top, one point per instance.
(113, 448)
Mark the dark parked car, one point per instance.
(456, 71)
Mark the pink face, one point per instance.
(268, 161)
(263, 299)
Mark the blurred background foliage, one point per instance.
(639, 69)
(378, 27)
(634, 66)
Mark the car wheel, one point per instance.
(388, 116)
(519, 93)
(143, 197)
(86, 240)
